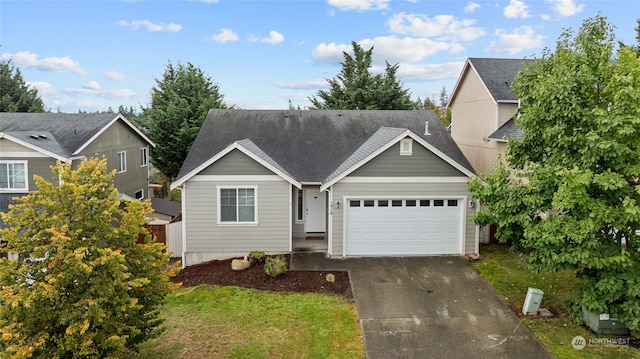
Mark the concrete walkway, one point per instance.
(428, 307)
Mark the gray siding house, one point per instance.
(345, 183)
(30, 143)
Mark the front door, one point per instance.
(316, 209)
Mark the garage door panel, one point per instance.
(404, 227)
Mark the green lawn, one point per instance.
(509, 276)
(232, 322)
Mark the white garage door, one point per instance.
(403, 226)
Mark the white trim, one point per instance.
(118, 163)
(462, 204)
(223, 153)
(140, 190)
(388, 145)
(330, 222)
(183, 194)
(103, 129)
(406, 147)
(33, 147)
(291, 215)
(146, 156)
(297, 207)
(25, 189)
(234, 178)
(237, 223)
(405, 180)
(6, 154)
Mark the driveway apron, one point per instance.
(429, 307)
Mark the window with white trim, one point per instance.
(144, 152)
(13, 176)
(237, 205)
(139, 194)
(406, 147)
(299, 206)
(122, 162)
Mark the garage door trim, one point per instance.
(461, 226)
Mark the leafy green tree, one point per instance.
(81, 286)
(569, 192)
(15, 95)
(179, 104)
(355, 88)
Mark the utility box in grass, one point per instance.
(602, 323)
(532, 301)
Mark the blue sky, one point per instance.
(89, 55)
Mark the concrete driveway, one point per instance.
(429, 307)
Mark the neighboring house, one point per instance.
(164, 210)
(30, 143)
(354, 183)
(482, 109)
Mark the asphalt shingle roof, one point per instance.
(498, 74)
(65, 132)
(508, 131)
(310, 145)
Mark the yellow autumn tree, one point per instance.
(82, 286)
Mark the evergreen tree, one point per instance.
(15, 95)
(355, 88)
(180, 102)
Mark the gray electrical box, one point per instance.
(602, 323)
(532, 301)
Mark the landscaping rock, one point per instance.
(330, 277)
(240, 264)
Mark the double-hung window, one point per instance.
(122, 162)
(237, 205)
(13, 176)
(144, 157)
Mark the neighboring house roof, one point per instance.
(59, 135)
(313, 146)
(497, 76)
(167, 207)
(510, 130)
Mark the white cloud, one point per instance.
(88, 90)
(522, 38)
(27, 59)
(92, 85)
(113, 75)
(224, 36)
(274, 38)
(429, 72)
(444, 27)
(566, 7)
(44, 88)
(302, 85)
(471, 7)
(545, 17)
(386, 48)
(516, 10)
(359, 5)
(152, 27)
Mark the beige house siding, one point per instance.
(475, 116)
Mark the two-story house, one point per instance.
(482, 109)
(30, 143)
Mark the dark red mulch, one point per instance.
(219, 272)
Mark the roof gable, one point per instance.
(309, 146)
(497, 75)
(72, 132)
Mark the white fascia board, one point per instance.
(115, 119)
(454, 92)
(34, 147)
(223, 153)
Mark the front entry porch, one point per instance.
(310, 242)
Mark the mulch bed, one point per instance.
(219, 272)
